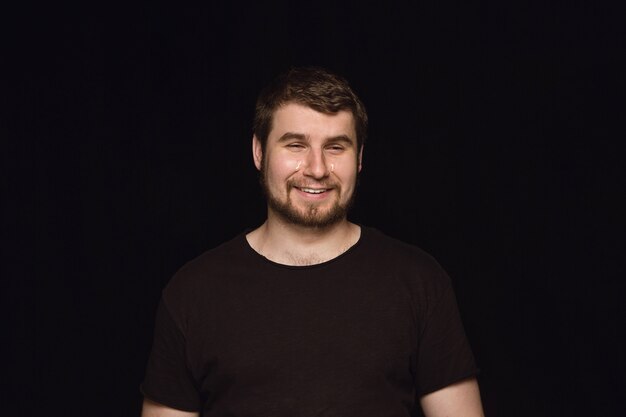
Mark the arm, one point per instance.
(460, 399)
(152, 409)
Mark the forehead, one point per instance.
(300, 119)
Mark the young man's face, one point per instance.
(310, 166)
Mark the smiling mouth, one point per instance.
(312, 190)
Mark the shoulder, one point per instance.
(418, 270)
(391, 250)
(197, 276)
(214, 258)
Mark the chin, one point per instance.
(321, 215)
(311, 218)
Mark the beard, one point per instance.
(309, 215)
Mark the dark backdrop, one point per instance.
(495, 144)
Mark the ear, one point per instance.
(360, 160)
(257, 152)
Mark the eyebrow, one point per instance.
(300, 136)
(291, 135)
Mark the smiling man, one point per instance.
(310, 314)
(309, 165)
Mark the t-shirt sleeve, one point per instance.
(168, 380)
(444, 353)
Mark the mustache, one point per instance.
(318, 184)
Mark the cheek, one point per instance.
(284, 167)
(292, 164)
(347, 170)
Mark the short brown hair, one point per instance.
(313, 87)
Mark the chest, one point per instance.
(265, 332)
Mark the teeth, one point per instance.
(312, 191)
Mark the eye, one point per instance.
(295, 146)
(335, 148)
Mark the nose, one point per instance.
(315, 164)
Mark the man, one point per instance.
(310, 314)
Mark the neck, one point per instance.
(290, 244)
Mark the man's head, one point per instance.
(308, 142)
(312, 87)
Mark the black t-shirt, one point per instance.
(363, 334)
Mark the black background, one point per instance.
(496, 144)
